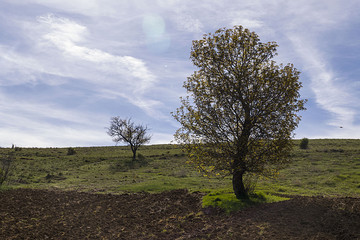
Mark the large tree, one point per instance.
(125, 130)
(242, 107)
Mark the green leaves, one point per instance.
(242, 106)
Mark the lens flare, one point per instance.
(154, 27)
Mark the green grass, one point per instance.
(107, 169)
(229, 203)
(327, 167)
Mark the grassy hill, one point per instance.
(328, 167)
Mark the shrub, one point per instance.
(140, 157)
(71, 151)
(18, 149)
(304, 144)
(124, 165)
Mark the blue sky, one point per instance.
(68, 66)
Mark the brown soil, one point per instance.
(45, 214)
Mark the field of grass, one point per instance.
(328, 167)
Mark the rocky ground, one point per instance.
(50, 214)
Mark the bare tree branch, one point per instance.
(124, 130)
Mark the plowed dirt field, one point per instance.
(53, 214)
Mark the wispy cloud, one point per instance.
(330, 92)
(59, 51)
(29, 123)
(189, 23)
(69, 71)
(84, 7)
(64, 42)
(60, 55)
(67, 35)
(332, 89)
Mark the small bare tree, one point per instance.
(125, 130)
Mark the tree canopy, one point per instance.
(241, 109)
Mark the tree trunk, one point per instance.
(134, 154)
(238, 185)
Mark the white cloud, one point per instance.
(60, 55)
(52, 136)
(65, 41)
(247, 18)
(32, 124)
(162, 138)
(331, 94)
(62, 31)
(84, 7)
(188, 23)
(60, 50)
(97, 50)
